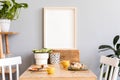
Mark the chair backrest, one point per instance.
(110, 66)
(9, 62)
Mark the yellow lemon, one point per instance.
(65, 63)
(51, 70)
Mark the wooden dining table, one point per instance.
(60, 74)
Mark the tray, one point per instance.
(71, 69)
(37, 69)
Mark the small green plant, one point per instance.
(10, 9)
(43, 50)
(115, 48)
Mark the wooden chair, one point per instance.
(9, 62)
(108, 62)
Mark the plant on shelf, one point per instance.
(115, 48)
(10, 10)
(41, 55)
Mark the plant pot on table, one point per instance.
(41, 58)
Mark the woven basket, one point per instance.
(68, 54)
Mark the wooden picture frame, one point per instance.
(60, 27)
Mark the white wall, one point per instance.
(98, 22)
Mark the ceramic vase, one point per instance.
(4, 25)
(41, 58)
(54, 58)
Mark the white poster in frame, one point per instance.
(60, 27)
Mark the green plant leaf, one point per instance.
(118, 52)
(115, 48)
(104, 74)
(111, 55)
(43, 50)
(119, 65)
(115, 40)
(24, 5)
(103, 50)
(118, 46)
(106, 47)
(9, 9)
(13, 0)
(101, 65)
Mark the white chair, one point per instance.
(9, 62)
(106, 63)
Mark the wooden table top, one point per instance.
(60, 74)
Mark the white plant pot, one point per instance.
(4, 25)
(41, 58)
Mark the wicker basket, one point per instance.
(68, 54)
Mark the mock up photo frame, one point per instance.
(60, 27)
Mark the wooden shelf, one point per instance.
(8, 32)
(5, 34)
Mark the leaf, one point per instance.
(8, 4)
(106, 46)
(24, 5)
(13, 0)
(101, 65)
(118, 46)
(110, 55)
(104, 74)
(115, 40)
(9, 9)
(103, 50)
(118, 52)
(119, 65)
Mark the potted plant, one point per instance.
(115, 48)
(41, 55)
(9, 10)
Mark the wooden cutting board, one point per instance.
(68, 54)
